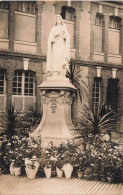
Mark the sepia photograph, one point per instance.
(61, 97)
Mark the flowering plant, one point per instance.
(104, 156)
(49, 156)
(12, 150)
(68, 153)
(31, 163)
(32, 148)
(59, 155)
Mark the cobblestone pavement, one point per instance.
(21, 185)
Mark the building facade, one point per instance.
(96, 31)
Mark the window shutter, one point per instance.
(112, 93)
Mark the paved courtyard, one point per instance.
(21, 185)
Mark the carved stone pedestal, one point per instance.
(56, 125)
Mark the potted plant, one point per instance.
(31, 167)
(48, 168)
(48, 159)
(81, 160)
(12, 168)
(17, 166)
(32, 154)
(59, 162)
(59, 165)
(15, 155)
(46, 163)
(68, 155)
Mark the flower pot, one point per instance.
(95, 177)
(121, 173)
(80, 174)
(26, 170)
(31, 172)
(47, 172)
(11, 169)
(68, 169)
(17, 171)
(103, 178)
(109, 179)
(88, 176)
(59, 172)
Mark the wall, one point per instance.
(98, 39)
(113, 41)
(4, 30)
(48, 18)
(3, 24)
(25, 32)
(84, 44)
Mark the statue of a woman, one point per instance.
(58, 55)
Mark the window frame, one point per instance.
(114, 22)
(22, 6)
(99, 19)
(4, 81)
(97, 80)
(68, 13)
(4, 95)
(112, 93)
(23, 84)
(4, 5)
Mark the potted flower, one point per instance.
(31, 167)
(81, 160)
(48, 159)
(68, 156)
(17, 166)
(59, 162)
(48, 168)
(32, 154)
(46, 163)
(15, 155)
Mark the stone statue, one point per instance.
(58, 55)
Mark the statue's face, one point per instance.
(58, 20)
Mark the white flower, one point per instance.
(53, 158)
(34, 157)
(27, 161)
(36, 164)
(34, 145)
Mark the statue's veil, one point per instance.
(60, 18)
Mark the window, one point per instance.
(68, 13)
(114, 34)
(2, 81)
(29, 82)
(2, 90)
(98, 33)
(23, 89)
(17, 83)
(24, 6)
(96, 95)
(114, 22)
(4, 4)
(112, 93)
(25, 33)
(99, 20)
(23, 83)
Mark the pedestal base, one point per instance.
(56, 124)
